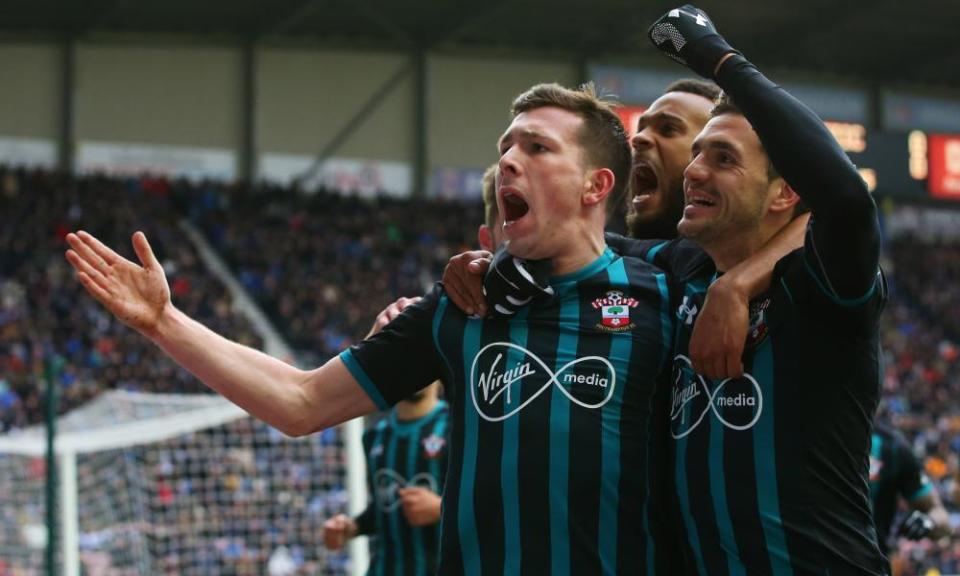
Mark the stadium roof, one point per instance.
(890, 42)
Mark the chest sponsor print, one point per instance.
(505, 378)
(735, 402)
(387, 484)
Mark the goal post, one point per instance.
(174, 484)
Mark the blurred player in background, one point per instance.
(406, 465)
(895, 475)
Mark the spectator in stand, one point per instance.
(43, 319)
(287, 249)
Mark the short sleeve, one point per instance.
(400, 359)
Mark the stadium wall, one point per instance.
(304, 98)
(158, 95)
(470, 102)
(29, 105)
(188, 100)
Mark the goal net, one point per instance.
(172, 484)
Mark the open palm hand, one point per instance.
(136, 294)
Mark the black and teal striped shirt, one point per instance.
(770, 468)
(551, 414)
(401, 454)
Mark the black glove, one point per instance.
(511, 283)
(687, 35)
(916, 526)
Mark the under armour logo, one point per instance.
(689, 311)
(699, 17)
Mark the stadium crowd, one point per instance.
(322, 265)
(48, 325)
(922, 376)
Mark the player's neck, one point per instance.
(735, 249)
(407, 410)
(584, 247)
(739, 247)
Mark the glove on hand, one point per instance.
(687, 35)
(511, 283)
(916, 526)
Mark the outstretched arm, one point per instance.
(294, 401)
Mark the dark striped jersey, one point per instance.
(550, 410)
(770, 469)
(401, 454)
(894, 472)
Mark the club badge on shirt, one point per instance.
(433, 446)
(876, 465)
(758, 323)
(614, 311)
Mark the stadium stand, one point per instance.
(322, 265)
(46, 315)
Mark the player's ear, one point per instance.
(485, 238)
(784, 197)
(598, 185)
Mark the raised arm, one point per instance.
(844, 241)
(843, 246)
(295, 401)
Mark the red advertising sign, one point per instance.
(944, 176)
(629, 116)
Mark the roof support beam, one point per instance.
(67, 136)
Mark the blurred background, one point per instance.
(300, 164)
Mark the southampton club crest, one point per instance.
(614, 311)
(758, 323)
(433, 446)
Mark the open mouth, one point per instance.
(514, 207)
(645, 180)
